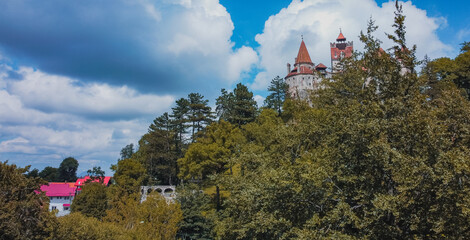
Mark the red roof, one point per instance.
(58, 189)
(303, 70)
(303, 56)
(320, 66)
(81, 181)
(341, 37)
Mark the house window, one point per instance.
(66, 198)
(54, 207)
(66, 208)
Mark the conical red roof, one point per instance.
(341, 37)
(303, 56)
(320, 66)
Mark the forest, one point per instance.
(380, 151)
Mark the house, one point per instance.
(81, 181)
(60, 196)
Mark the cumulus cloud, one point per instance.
(45, 118)
(154, 46)
(319, 22)
(59, 94)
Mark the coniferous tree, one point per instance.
(278, 89)
(244, 107)
(179, 122)
(199, 113)
(127, 151)
(224, 105)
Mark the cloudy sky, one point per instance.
(85, 78)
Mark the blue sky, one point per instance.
(85, 78)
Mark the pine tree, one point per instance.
(278, 89)
(244, 107)
(199, 113)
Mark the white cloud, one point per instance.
(240, 61)
(58, 94)
(319, 22)
(45, 118)
(259, 100)
(197, 34)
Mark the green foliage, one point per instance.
(96, 173)
(211, 153)
(224, 105)
(76, 226)
(199, 113)
(23, 212)
(33, 173)
(158, 153)
(155, 218)
(276, 98)
(127, 151)
(372, 158)
(50, 174)
(237, 107)
(130, 174)
(244, 106)
(91, 201)
(68, 170)
(179, 123)
(196, 209)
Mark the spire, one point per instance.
(340, 37)
(303, 56)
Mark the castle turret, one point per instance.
(301, 78)
(340, 49)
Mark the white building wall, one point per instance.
(57, 203)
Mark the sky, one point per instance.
(86, 78)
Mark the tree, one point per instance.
(130, 174)
(244, 107)
(179, 122)
(195, 205)
(127, 151)
(68, 170)
(96, 173)
(372, 158)
(278, 89)
(211, 155)
(76, 226)
(50, 174)
(33, 173)
(91, 201)
(199, 113)
(23, 211)
(224, 105)
(155, 218)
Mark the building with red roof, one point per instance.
(60, 196)
(81, 181)
(339, 50)
(305, 76)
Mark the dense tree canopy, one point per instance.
(91, 201)
(23, 211)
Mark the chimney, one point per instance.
(288, 68)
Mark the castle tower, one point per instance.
(300, 79)
(340, 49)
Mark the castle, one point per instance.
(305, 76)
